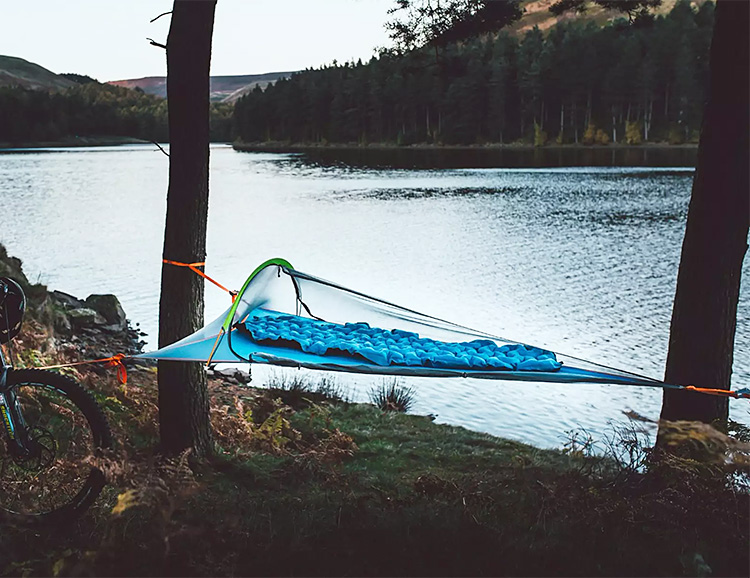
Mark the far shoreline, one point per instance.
(87, 141)
(74, 142)
(515, 155)
(283, 147)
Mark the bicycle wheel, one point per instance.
(67, 429)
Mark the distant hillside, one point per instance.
(223, 88)
(19, 72)
(537, 14)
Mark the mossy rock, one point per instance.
(85, 317)
(108, 306)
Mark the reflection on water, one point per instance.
(580, 260)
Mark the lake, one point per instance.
(581, 260)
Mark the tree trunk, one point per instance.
(701, 341)
(183, 399)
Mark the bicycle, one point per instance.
(53, 430)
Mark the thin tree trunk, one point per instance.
(183, 400)
(614, 127)
(704, 318)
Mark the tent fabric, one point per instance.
(284, 317)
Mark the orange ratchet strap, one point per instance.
(194, 268)
(114, 361)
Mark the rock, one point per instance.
(13, 268)
(108, 306)
(61, 324)
(232, 374)
(84, 317)
(67, 300)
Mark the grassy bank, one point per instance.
(331, 488)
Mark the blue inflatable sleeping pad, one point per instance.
(392, 347)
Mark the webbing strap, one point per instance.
(114, 361)
(122, 373)
(719, 392)
(194, 268)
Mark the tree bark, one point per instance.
(183, 399)
(704, 318)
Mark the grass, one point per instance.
(321, 487)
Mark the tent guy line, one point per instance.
(265, 324)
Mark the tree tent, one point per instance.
(285, 317)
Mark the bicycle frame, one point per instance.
(14, 425)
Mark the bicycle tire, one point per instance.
(64, 416)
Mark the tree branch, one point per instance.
(160, 147)
(159, 16)
(153, 42)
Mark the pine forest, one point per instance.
(578, 83)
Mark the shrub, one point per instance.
(393, 396)
(601, 137)
(540, 137)
(589, 134)
(675, 134)
(633, 133)
(300, 391)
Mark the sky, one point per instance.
(106, 39)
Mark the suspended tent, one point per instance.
(285, 317)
